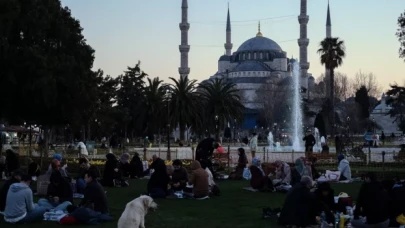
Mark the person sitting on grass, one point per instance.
(300, 206)
(179, 176)
(159, 180)
(299, 171)
(124, 165)
(242, 162)
(112, 176)
(259, 180)
(95, 197)
(283, 173)
(326, 199)
(57, 159)
(60, 193)
(15, 178)
(20, 207)
(372, 203)
(344, 168)
(84, 166)
(199, 181)
(12, 162)
(136, 167)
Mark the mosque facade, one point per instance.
(257, 62)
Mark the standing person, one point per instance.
(253, 145)
(338, 144)
(83, 149)
(383, 137)
(309, 142)
(20, 207)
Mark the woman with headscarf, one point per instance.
(124, 165)
(299, 171)
(242, 162)
(136, 166)
(112, 177)
(259, 179)
(283, 173)
(12, 162)
(57, 159)
(159, 180)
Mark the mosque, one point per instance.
(257, 62)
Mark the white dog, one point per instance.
(135, 211)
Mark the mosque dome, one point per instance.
(259, 43)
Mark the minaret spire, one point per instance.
(184, 48)
(328, 24)
(228, 45)
(259, 33)
(303, 42)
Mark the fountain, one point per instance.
(270, 140)
(318, 146)
(296, 121)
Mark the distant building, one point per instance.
(383, 119)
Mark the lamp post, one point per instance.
(216, 128)
(234, 129)
(168, 124)
(373, 125)
(275, 131)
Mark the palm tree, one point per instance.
(184, 104)
(222, 103)
(153, 106)
(332, 52)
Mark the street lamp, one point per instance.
(234, 129)
(168, 124)
(373, 125)
(216, 127)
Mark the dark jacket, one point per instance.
(4, 191)
(309, 140)
(303, 215)
(109, 173)
(60, 187)
(373, 203)
(205, 149)
(258, 180)
(94, 194)
(159, 178)
(179, 176)
(12, 162)
(34, 169)
(136, 166)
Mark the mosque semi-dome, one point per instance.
(259, 43)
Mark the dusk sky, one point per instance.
(125, 31)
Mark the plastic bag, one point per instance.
(246, 174)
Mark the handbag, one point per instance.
(333, 176)
(246, 174)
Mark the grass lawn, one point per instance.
(234, 208)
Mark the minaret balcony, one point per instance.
(184, 48)
(303, 19)
(184, 26)
(228, 45)
(304, 66)
(303, 42)
(184, 71)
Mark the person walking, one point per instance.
(253, 145)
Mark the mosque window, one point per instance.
(244, 56)
(261, 55)
(254, 55)
(248, 55)
(267, 55)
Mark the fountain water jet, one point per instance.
(296, 120)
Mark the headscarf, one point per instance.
(125, 158)
(300, 167)
(57, 157)
(340, 157)
(255, 162)
(242, 156)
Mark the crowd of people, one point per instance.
(378, 203)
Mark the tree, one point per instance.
(369, 81)
(332, 52)
(397, 101)
(46, 64)
(401, 35)
(185, 108)
(220, 100)
(272, 97)
(320, 124)
(130, 98)
(342, 86)
(362, 101)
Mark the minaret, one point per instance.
(328, 35)
(303, 42)
(228, 45)
(328, 24)
(184, 48)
